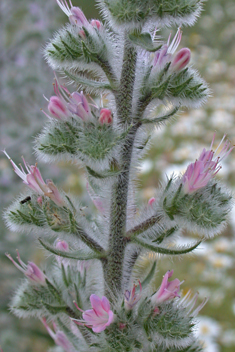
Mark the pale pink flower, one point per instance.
(199, 173)
(131, 298)
(33, 179)
(164, 55)
(105, 117)
(58, 108)
(79, 106)
(167, 290)
(181, 59)
(30, 270)
(58, 336)
(75, 14)
(99, 317)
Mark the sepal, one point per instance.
(85, 142)
(163, 13)
(204, 211)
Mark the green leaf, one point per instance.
(149, 276)
(164, 250)
(143, 40)
(88, 83)
(77, 255)
(105, 174)
(162, 118)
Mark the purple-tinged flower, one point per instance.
(199, 173)
(58, 108)
(164, 55)
(30, 270)
(131, 298)
(58, 336)
(33, 179)
(105, 117)
(167, 290)
(79, 106)
(181, 59)
(99, 317)
(75, 14)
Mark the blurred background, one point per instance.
(25, 27)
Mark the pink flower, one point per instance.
(181, 59)
(131, 298)
(99, 317)
(105, 117)
(75, 14)
(199, 173)
(33, 179)
(31, 270)
(167, 290)
(79, 106)
(58, 336)
(164, 55)
(58, 108)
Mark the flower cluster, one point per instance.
(64, 104)
(199, 173)
(166, 55)
(33, 179)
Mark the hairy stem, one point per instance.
(89, 241)
(125, 93)
(117, 241)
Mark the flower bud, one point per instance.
(167, 290)
(31, 270)
(53, 193)
(57, 108)
(151, 201)
(96, 24)
(181, 59)
(105, 117)
(62, 246)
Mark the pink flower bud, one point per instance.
(131, 298)
(57, 108)
(96, 24)
(39, 200)
(31, 270)
(78, 18)
(62, 246)
(167, 290)
(151, 201)
(105, 117)
(82, 34)
(181, 59)
(59, 337)
(99, 317)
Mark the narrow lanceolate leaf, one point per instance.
(161, 118)
(77, 255)
(104, 174)
(164, 250)
(143, 40)
(150, 275)
(84, 82)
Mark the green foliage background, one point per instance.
(25, 27)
